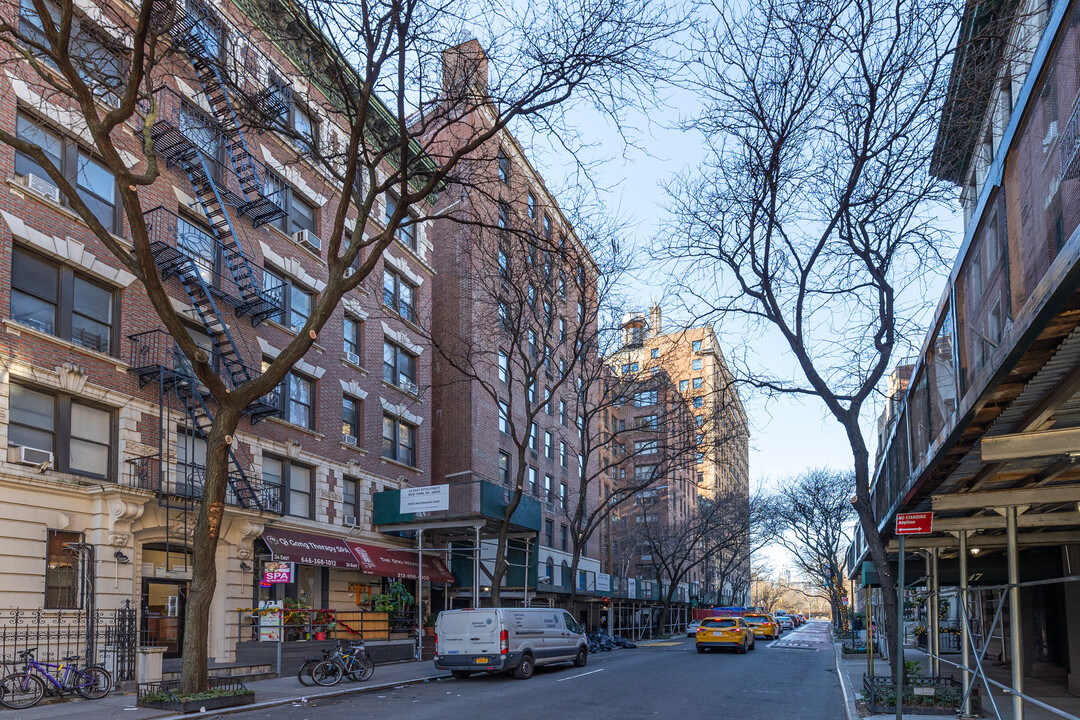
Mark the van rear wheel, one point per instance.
(524, 670)
(582, 657)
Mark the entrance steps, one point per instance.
(242, 671)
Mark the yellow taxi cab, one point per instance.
(763, 625)
(724, 632)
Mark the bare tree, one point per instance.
(811, 212)
(352, 54)
(768, 591)
(814, 518)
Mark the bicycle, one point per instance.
(24, 689)
(304, 673)
(353, 663)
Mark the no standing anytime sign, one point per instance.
(919, 523)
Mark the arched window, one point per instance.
(549, 570)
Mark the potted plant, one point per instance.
(429, 623)
(221, 693)
(324, 621)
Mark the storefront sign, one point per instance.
(603, 582)
(432, 498)
(279, 572)
(309, 549)
(270, 621)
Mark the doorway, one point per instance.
(163, 603)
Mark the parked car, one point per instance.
(725, 632)
(786, 622)
(691, 628)
(494, 640)
(763, 625)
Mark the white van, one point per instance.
(501, 639)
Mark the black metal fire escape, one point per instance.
(187, 138)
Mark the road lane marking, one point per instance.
(581, 675)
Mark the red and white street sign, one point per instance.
(919, 523)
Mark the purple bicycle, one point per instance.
(25, 688)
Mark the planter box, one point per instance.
(194, 706)
(163, 696)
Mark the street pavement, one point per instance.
(793, 677)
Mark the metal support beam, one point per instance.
(1015, 644)
(476, 569)
(898, 661)
(419, 595)
(1016, 446)
(935, 616)
(1004, 498)
(992, 541)
(965, 636)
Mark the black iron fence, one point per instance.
(105, 637)
(924, 694)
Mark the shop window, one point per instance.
(62, 571)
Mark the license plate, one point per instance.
(481, 661)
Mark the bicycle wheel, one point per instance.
(19, 691)
(327, 673)
(304, 673)
(94, 682)
(361, 669)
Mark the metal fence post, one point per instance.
(899, 664)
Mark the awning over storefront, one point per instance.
(395, 562)
(310, 549)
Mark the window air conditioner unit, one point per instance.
(352, 357)
(350, 521)
(43, 187)
(348, 439)
(29, 455)
(308, 238)
(409, 387)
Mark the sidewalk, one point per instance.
(279, 691)
(852, 668)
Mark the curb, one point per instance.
(849, 700)
(320, 696)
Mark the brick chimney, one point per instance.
(655, 321)
(465, 70)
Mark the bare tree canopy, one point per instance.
(812, 211)
(814, 518)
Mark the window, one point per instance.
(645, 398)
(547, 228)
(504, 263)
(55, 300)
(549, 564)
(646, 447)
(399, 440)
(549, 535)
(297, 482)
(562, 330)
(655, 353)
(534, 438)
(406, 231)
(696, 364)
(699, 438)
(699, 402)
(634, 367)
(532, 205)
(504, 468)
(504, 167)
(562, 494)
(549, 483)
(351, 419)
(62, 571)
(299, 213)
(564, 537)
(399, 366)
(504, 368)
(644, 473)
(697, 383)
(532, 475)
(296, 301)
(696, 346)
(549, 446)
(399, 295)
(504, 417)
(562, 413)
(81, 437)
(699, 419)
(301, 216)
(190, 462)
(348, 500)
(306, 128)
(353, 334)
(562, 453)
(93, 182)
(530, 390)
(547, 400)
(626, 368)
(299, 408)
(650, 422)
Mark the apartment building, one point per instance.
(692, 358)
(101, 419)
(513, 298)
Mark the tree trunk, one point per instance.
(875, 544)
(204, 542)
